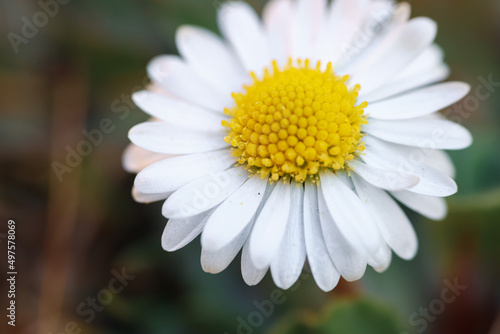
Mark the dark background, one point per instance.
(82, 66)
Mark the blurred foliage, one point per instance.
(344, 317)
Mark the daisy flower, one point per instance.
(294, 137)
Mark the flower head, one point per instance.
(295, 136)
(295, 121)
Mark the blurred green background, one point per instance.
(71, 235)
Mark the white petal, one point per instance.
(162, 138)
(307, 21)
(412, 39)
(136, 159)
(379, 20)
(288, 263)
(393, 88)
(251, 275)
(180, 232)
(330, 37)
(393, 223)
(204, 193)
(324, 272)
(216, 262)
(176, 112)
(434, 208)
(233, 215)
(211, 59)
(276, 17)
(347, 17)
(421, 132)
(383, 22)
(243, 29)
(350, 263)
(383, 178)
(421, 71)
(418, 103)
(172, 174)
(149, 198)
(382, 259)
(433, 183)
(270, 227)
(411, 161)
(441, 161)
(430, 58)
(174, 76)
(350, 215)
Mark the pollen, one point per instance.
(295, 121)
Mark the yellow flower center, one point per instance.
(295, 121)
